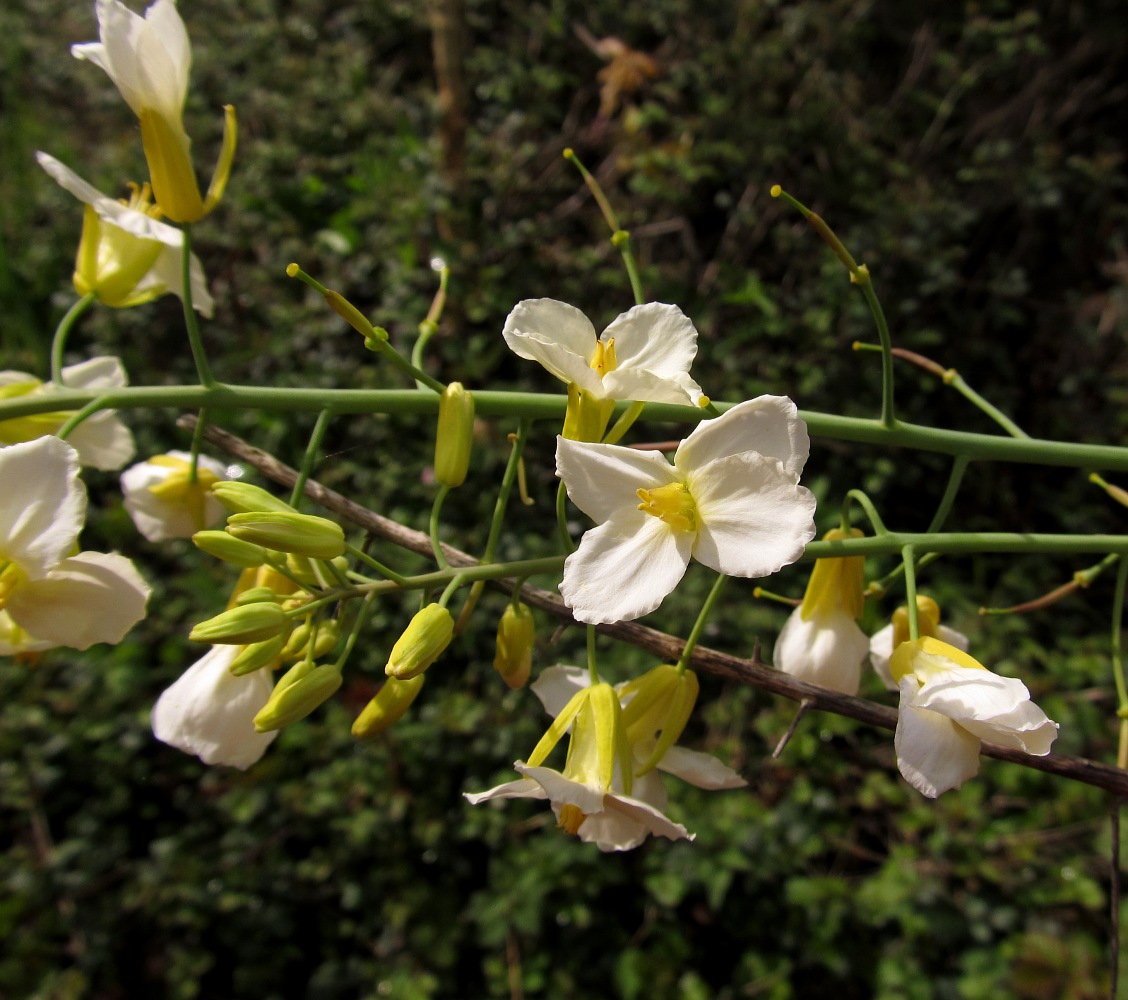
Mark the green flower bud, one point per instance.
(256, 595)
(239, 626)
(515, 634)
(288, 531)
(327, 635)
(455, 436)
(422, 642)
(224, 546)
(257, 655)
(241, 498)
(298, 692)
(387, 708)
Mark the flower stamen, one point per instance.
(672, 504)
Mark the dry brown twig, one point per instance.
(666, 647)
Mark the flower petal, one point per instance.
(605, 478)
(159, 518)
(625, 823)
(753, 517)
(522, 788)
(558, 336)
(556, 686)
(825, 649)
(933, 753)
(624, 568)
(769, 425)
(43, 507)
(564, 791)
(89, 598)
(209, 711)
(881, 649)
(655, 345)
(700, 769)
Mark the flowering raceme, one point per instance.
(821, 642)
(126, 256)
(949, 702)
(731, 500)
(148, 59)
(645, 354)
(102, 440)
(165, 501)
(53, 596)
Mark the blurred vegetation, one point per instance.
(972, 154)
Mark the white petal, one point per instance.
(1026, 728)
(753, 518)
(649, 788)
(603, 479)
(881, 649)
(564, 791)
(103, 442)
(769, 425)
(634, 383)
(556, 685)
(558, 336)
(166, 273)
(523, 788)
(933, 753)
(655, 340)
(624, 568)
(43, 506)
(826, 650)
(101, 373)
(625, 823)
(15, 640)
(89, 598)
(159, 519)
(209, 712)
(165, 56)
(966, 694)
(700, 769)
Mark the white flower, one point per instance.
(949, 702)
(164, 503)
(148, 59)
(884, 640)
(209, 711)
(645, 354)
(588, 799)
(731, 500)
(60, 599)
(102, 441)
(15, 641)
(821, 642)
(127, 256)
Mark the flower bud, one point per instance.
(298, 692)
(239, 626)
(327, 634)
(242, 498)
(287, 531)
(257, 655)
(422, 642)
(515, 634)
(387, 708)
(230, 549)
(455, 436)
(256, 595)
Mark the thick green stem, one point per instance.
(62, 332)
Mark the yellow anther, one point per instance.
(604, 360)
(570, 819)
(672, 504)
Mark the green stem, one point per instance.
(887, 416)
(62, 331)
(199, 355)
(420, 376)
(593, 668)
(562, 518)
(366, 607)
(955, 477)
(699, 625)
(955, 380)
(622, 239)
(508, 478)
(310, 457)
(907, 559)
(624, 423)
(436, 510)
(1118, 662)
(868, 508)
(379, 567)
(197, 443)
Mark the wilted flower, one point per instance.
(949, 702)
(821, 642)
(885, 640)
(102, 440)
(148, 59)
(164, 499)
(58, 598)
(731, 500)
(126, 256)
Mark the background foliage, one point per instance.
(973, 156)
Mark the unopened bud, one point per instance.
(515, 634)
(326, 638)
(387, 708)
(230, 549)
(455, 436)
(241, 498)
(422, 642)
(286, 531)
(255, 595)
(257, 655)
(298, 692)
(239, 626)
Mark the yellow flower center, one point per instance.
(141, 200)
(11, 577)
(672, 504)
(570, 819)
(604, 360)
(179, 487)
